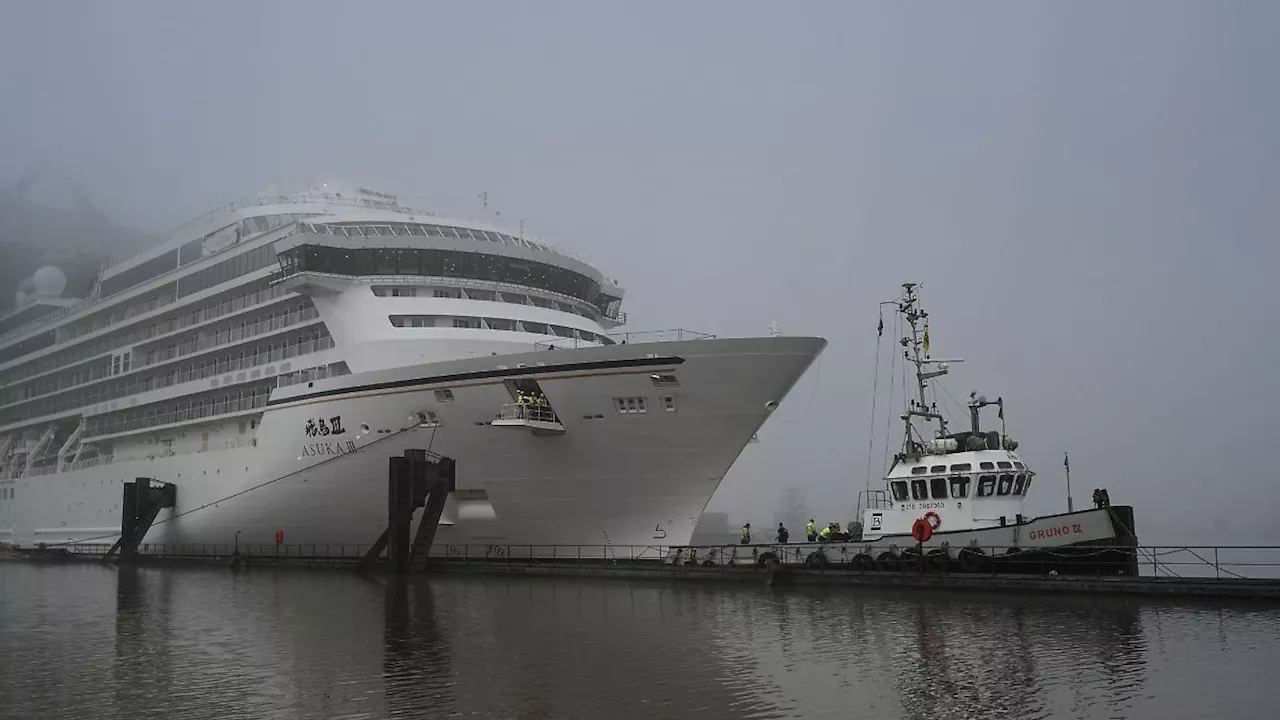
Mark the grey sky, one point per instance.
(1087, 191)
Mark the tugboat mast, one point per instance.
(916, 352)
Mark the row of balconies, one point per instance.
(235, 335)
(157, 382)
(102, 347)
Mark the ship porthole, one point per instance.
(771, 405)
(364, 428)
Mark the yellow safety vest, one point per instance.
(826, 532)
(746, 533)
(810, 528)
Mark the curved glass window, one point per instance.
(448, 263)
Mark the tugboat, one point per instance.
(954, 500)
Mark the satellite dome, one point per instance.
(49, 281)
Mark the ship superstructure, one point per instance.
(271, 344)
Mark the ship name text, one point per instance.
(1073, 529)
(325, 449)
(322, 427)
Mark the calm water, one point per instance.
(95, 642)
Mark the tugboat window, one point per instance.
(938, 469)
(1005, 465)
(1006, 485)
(919, 490)
(987, 466)
(899, 490)
(938, 488)
(960, 487)
(1019, 484)
(919, 470)
(962, 467)
(986, 485)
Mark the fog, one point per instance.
(1087, 193)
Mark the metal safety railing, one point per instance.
(1168, 563)
(648, 336)
(516, 411)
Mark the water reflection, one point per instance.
(417, 658)
(101, 642)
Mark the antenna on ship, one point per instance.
(916, 351)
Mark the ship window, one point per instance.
(447, 294)
(515, 298)
(1019, 483)
(630, 405)
(899, 488)
(986, 485)
(1005, 465)
(463, 322)
(919, 470)
(961, 467)
(938, 488)
(444, 395)
(500, 323)
(1018, 465)
(534, 327)
(453, 263)
(1006, 485)
(960, 487)
(938, 469)
(987, 466)
(669, 403)
(919, 490)
(562, 331)
(1027, 488)
(482, 295)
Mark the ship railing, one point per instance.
(196, 411)
(35, 323)
(262, 358)
(537, 413)
(1167, 564)
(564, 343)
(143, 333)
(648, 336)
(577, 306)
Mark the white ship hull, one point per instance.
(611, 478)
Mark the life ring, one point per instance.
(934, 520)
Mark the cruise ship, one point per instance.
(267, 359)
